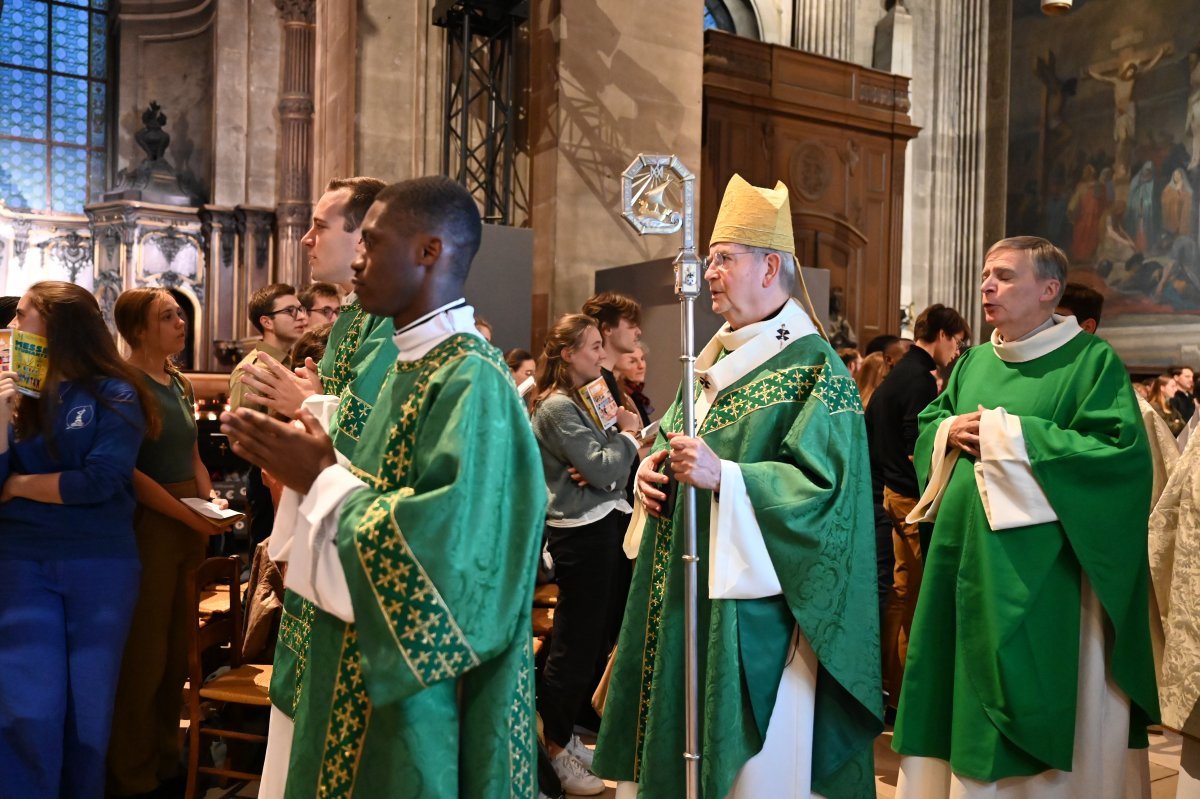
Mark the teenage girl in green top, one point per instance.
(144, 750)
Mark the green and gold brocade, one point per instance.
(429, 694)
(358, 359)
(795, 427)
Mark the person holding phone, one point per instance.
(67, 547)
(584, 532)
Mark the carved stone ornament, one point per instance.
(811, 171)
(155, 179)
(73, 251)
(297, 10)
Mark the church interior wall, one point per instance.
(167, 54)
(621, 87)
(401, 60)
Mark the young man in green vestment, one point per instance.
(788, 621)
(358, 355)
(1029, 668)
(417, 679)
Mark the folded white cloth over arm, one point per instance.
(279, 544)
(1010, 493)
(739, 565)
(315, 570)
(940, 469)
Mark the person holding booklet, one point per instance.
(171, 541)
(584, 520)
(67, 547)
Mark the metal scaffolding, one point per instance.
(480, 107)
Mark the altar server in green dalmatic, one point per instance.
(1029, 668)
(358, 356)
(420, 557)
(788, 617)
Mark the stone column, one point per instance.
(335, 92)
(825, 27)
(294, 208)
(956, 219)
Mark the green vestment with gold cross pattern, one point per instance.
(429, 693)
(358, 357)
(794, 426)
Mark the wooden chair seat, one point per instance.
(543, 621)
(214, 599)
(545, 595)
(248, 684)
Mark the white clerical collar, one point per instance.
(790, 321)
(350, 299)
(417, 338)
(1044, 339)
(749, 347)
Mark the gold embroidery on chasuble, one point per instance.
(520, 720)
(420, 622)
(294, 633)
(342, 371)
(349, 717)
(838, 393)
(792, 384)
(658, 589)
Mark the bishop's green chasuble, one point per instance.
(794, 426)
(991, 679)
(358, 357)
(430, 692)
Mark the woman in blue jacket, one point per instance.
(68, 559)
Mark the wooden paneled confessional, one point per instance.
(835, 134)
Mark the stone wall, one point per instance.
(400, 66)
(607, 84)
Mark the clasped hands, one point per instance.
(964, 432)
(273, 386)
(295, 453)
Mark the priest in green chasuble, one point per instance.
(1029, 670)
(788, 616)
(359, 353)
(419, 556)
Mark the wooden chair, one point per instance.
(242, 685)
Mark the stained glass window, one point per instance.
(53, 110)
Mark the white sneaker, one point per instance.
(574, 776)
(580, 752)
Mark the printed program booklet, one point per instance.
(25, 354)
(211, 512)
(601, 405)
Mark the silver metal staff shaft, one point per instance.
(644, 187)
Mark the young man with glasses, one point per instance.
(891, 418)
(277, 314)
(323, 301)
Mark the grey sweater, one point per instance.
(567, 437)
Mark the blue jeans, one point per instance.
(62, 631)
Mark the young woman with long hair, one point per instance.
(171, 541)
(67, 551)
(584, 533)
(1162, 388)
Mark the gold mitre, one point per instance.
(755, 217)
